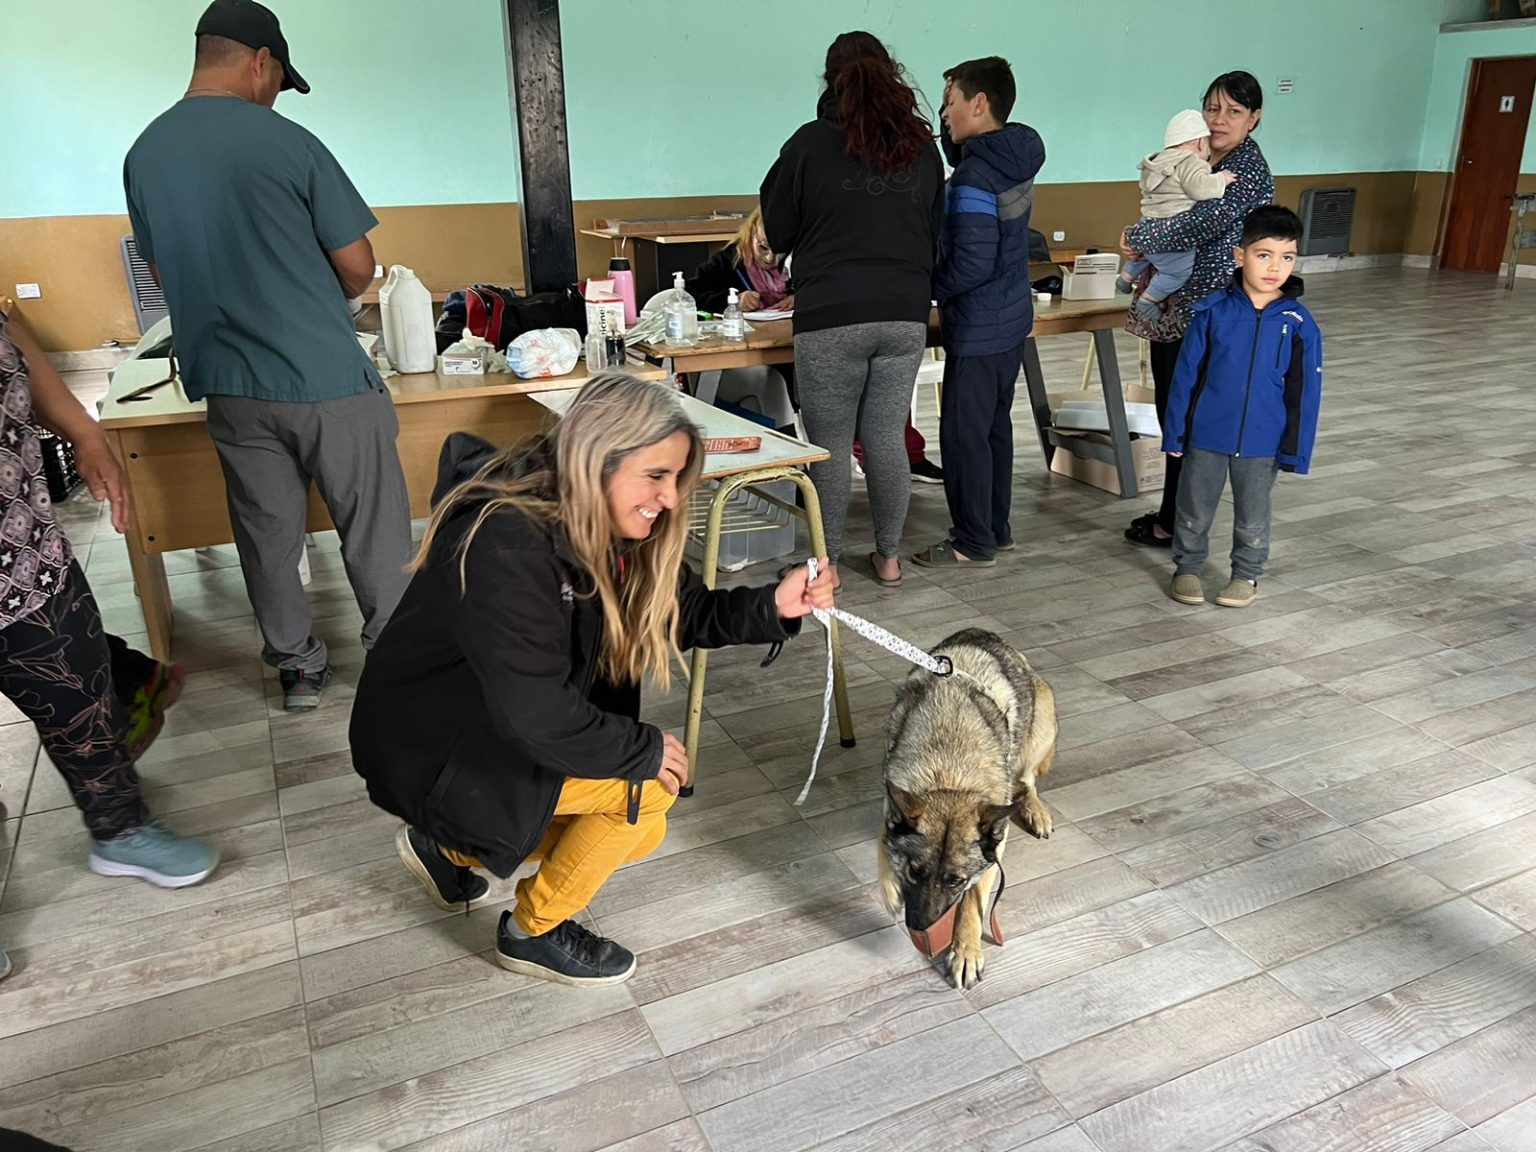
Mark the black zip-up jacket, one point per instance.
(863, 242)
(473, 708)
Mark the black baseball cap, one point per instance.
(254, 25)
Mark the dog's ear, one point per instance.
(909, 806)
(993, 822)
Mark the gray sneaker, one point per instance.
(156, 854)
(302, 690)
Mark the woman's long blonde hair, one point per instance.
(612, 416)
(746, 239)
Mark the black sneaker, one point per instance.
(450, 886)
(301, 690)
(566, 954)
(925, 471)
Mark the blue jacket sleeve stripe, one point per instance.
(966, 199)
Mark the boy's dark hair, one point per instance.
(990, 74)
(1270, 222)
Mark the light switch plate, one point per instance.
(28, 292)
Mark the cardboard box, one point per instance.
(1146, 452)
(1090, 277)
(1146, 457)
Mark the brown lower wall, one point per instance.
(85, 295)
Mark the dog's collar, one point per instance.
(938, 936)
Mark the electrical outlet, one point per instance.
(1058, 236)
(378, 271)
(28, 292)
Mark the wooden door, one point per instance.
(1488, 165)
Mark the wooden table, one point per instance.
(773, 343)
(176, 486)
(779, 458)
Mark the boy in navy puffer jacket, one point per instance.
(981, 282)
(1244, 404)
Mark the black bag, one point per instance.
(499, 315)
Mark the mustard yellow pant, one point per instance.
(587, 840)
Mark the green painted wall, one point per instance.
(674, 97)
(411, 98)
(1098, 78)
(1454, 53)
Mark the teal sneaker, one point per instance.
(156, 854)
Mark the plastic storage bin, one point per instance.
(752, 531)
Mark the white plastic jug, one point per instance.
(406, 306)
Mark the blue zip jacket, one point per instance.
(1248, 382)
(982, 278)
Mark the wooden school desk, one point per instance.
(779, 458)
(176, 487)
(772, 342)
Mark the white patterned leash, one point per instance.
(938, 665)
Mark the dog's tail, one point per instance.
(1040, 741)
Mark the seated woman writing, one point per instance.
(498, 715)
(748, 265)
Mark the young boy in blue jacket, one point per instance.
(1243, 404)
(981, 282)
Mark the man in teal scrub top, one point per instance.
(259, 239)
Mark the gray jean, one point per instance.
(1201, 481)
(860, 377)
(270, 452)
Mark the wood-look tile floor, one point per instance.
(1289, 904)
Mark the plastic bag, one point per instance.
(544, 352)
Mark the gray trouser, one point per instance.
(1201, 481)
(860, 377)
(270, 452)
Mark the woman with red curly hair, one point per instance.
(857, 198)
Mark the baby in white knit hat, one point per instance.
(1171, 182)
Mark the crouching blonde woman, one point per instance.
(498, 714)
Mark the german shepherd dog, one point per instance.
(962, 759)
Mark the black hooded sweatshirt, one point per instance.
(862, 242)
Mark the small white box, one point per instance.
(462, 363)
(1090, 277)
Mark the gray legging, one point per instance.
(861, 375)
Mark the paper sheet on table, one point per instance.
(768, 314)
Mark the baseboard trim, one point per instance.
(1522, 271)
(1312, 265)
(1415, 260)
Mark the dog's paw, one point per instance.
(965, 964)
(1036, 817)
